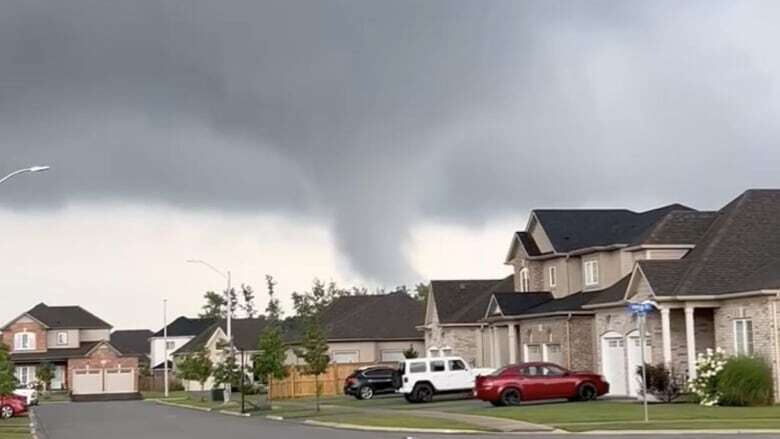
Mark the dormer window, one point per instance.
(62, 338)
(24, 341)
(553, 275)
(591, 273)
(525, 282)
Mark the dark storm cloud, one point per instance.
(373, 116)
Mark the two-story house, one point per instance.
(714, 276)
(76, 344)
(180, 332)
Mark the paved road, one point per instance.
(145, 420)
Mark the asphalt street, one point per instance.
(138, 419)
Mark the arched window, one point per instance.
(525, 282)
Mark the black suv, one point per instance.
(366, 382)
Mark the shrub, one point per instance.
(746, 381)
(662, 383)
(709, 366)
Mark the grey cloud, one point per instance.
(373, 116)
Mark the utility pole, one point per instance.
(165, 342)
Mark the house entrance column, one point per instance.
(496, 347)
(666, 337)
(512, 343)
(690, 338)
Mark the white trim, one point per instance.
(552, 276)
(659, 247)
(747, 344)
(62, 338)
(590, 276)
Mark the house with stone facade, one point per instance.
(715, 276)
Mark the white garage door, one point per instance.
(87, 382)
(635, 360)
(120, 381)
(392, 356)
(613, 355)
(98, 381)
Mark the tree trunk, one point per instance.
(317, 393)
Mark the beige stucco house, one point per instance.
(715, 276)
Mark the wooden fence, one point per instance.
(299, 385)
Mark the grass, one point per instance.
(179, 394)
(15, 428)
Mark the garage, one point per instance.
(103, 373)
(613, 360)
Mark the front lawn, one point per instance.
(15, 428)
(179, 394)
(609, 415)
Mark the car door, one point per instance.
(459, 376)
(559, 383)
(532, 383)
(440, 377)
(381, 379)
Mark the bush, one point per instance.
(709, 367)
(662, 383)
(746, 381)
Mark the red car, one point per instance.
(534, 381)
(11, 405)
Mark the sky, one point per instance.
(365, 142)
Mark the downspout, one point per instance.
(777, 343)
(568, 341)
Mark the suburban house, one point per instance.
(133, 342)
(714, 275)
(76, 344)
(180, 332)
(360, 329)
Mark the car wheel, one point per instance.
(587, 392)
(409, 398)
(511, 397)
(496, 403)
(423, 393)
(366, 392)
(6, 411)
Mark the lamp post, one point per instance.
(640, 310)
(165, 347)
(225, 275)
(22, 171)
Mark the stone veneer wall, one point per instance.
(577, 355)
(758, 310)
(463, 341)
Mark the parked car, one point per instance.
(28, 393)
(11, 405)
(422, 378)
(513, 384)
(368, 381)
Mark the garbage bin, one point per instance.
(218, 395)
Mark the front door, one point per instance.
(58, 381)
(613, 355)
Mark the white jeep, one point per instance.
(28, 392)
(422, 378)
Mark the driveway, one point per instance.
(138, 419)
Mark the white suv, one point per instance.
(28, 392)
(421, 378)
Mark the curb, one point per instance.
(185, 406)
(393, 429)
(275, 418)
(232, 413)
(675, 432)
(33, 425)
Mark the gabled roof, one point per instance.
(246, 334)
(375, 317)
(513, 303)
(575, 229)
(465, 301)
(66, 317)
(132, 341)
(82, 351)
(612, 294)
(185, 327)
(677, 227)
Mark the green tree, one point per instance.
(228, 373)
(421, 291)
(7, 378)
(196, 367)
(214, 309)
(411, 353)
(249, 301)
(269, 362)
(44, 373)
(310, 307)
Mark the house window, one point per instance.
(62, 338)
(591, 269)
(743, 337)
(346, 357)
(25, 374)
(170, 345)
(24, 341)
(525, 282)
(553, 274)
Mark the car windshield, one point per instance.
(500, 371)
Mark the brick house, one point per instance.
(715, 276)
(76, 343)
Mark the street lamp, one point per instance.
(22, 171)
(225, 275)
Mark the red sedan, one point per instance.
(11, 405)
(515, 383)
